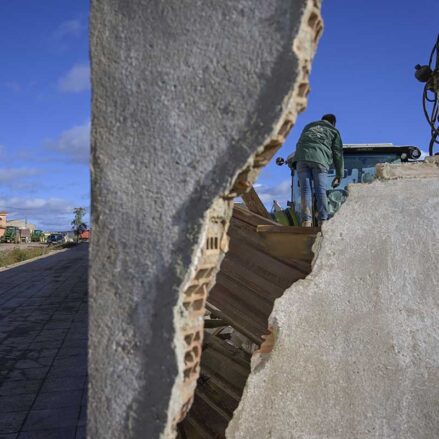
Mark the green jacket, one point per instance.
(320, 142)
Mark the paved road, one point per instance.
(43, 348)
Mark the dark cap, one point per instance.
(330, 118)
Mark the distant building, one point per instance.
(21, 224)
(3, 223)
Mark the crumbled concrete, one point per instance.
(432, 159)
(189, 98)
(422, 169)
(357, 353)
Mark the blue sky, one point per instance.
(44, 110)
(363, 72)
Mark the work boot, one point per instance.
(307, 223)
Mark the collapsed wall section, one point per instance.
(190, 100)
(357, 353)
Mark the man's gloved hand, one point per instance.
(335, 182)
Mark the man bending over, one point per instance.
(318, 147)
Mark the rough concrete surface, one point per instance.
(185, 92)
(426, 169)
(357, 354)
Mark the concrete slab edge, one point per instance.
(319, 264)
(206, 262)
(422, 169)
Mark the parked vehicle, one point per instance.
(12, 235)
(359, 167)
(25, 236)
(69, 236)
(37, 236)
(84, 235)
(55, 239)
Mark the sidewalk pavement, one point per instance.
(43, 348)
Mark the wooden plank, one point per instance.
(224, 372)
(264, 228)
(234, 322)
(289, 244)
(226, 366)
(249, 217)
(194, 428)
(238, 232)
(207, 388)
(253, 318)
(218, 344)
(240, 314)
(252, 279)
(229, 363)
(254, 203)
(244, 225)
(205, 421)
(274, 270)
(219, 381)
(214, 406)
(244, 293)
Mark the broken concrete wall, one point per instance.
(357, 353)
(190, 100)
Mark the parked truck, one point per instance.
(84, 235)
(11, 235)
(25, 236)
(16, 235)
(37, 236)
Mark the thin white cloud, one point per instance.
(280, 192)
(57, 204)
(48, 213)
(13, 175)
(69, 28)
(76, 80)
(74, 143)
